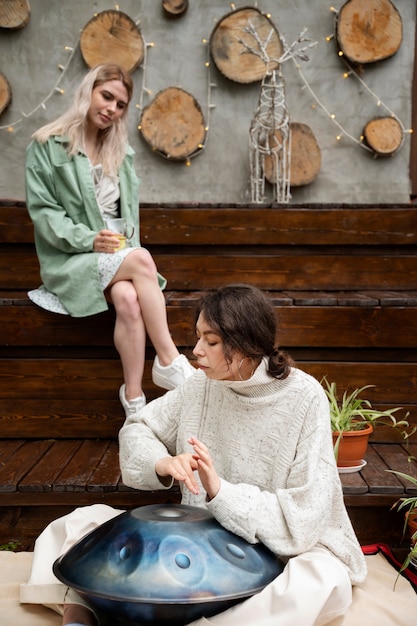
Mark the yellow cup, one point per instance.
(122, 243)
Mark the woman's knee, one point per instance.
(125, 299)
(141, 261)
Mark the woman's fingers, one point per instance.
(181, 468)
(106, 241)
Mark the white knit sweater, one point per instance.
(271, 445)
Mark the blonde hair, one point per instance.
(113, 140)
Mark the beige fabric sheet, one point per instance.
(374, 603)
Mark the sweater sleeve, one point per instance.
(147, 437)
(290, 518)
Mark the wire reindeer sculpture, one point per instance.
(270, 130)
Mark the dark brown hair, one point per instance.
(245, 320)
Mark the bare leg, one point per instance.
(78, 613)
(139, 268)
(129, 336)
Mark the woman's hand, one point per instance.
(205, 468)
(106, 241)
(181, 468)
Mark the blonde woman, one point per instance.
(80, 172)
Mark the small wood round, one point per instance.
(112, 37)
(305, 156)
(5, 93)
(232, 57)
(384, 135)
(14, 14)
(175, 8)
(173, 124)
(369, 31)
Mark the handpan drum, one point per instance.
(164, 564)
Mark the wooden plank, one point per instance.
(33, 326)
(295, 225)
(282, 268)
(313, 326)
(42, 476)
(353, 483)
(15, 223)
(73, 498)
(53, 378)
(75, 475)
(313, 298)
(18, 465)
(107, 474)
(19, 267)
(80, 398)
(394, 298)
(76, 381)
(359, 327)
(285, 271)
(398, 458)
(9, 447)
(354, 298)
(376, 475)
(391, 384)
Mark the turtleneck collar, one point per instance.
(260, 384)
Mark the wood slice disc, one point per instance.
(384, 135)
(369, 31)
(175, 8)
(112, 37)
(173, 124)
(230, 44)
(14, 14)
(305, 156)
(5, 93)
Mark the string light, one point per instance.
(55, 89)
(349, 72)
(144, 67)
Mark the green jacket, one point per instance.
(62, 205)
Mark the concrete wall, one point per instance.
(220, 174)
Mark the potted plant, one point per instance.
(352, 421)
(410, 519)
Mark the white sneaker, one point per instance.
(133, 406)
(172, 375)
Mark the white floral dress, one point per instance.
(107, 193)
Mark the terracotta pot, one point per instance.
(352, 446)
(411, 517)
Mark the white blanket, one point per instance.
(374, 603)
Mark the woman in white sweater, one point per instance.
(248, 436)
